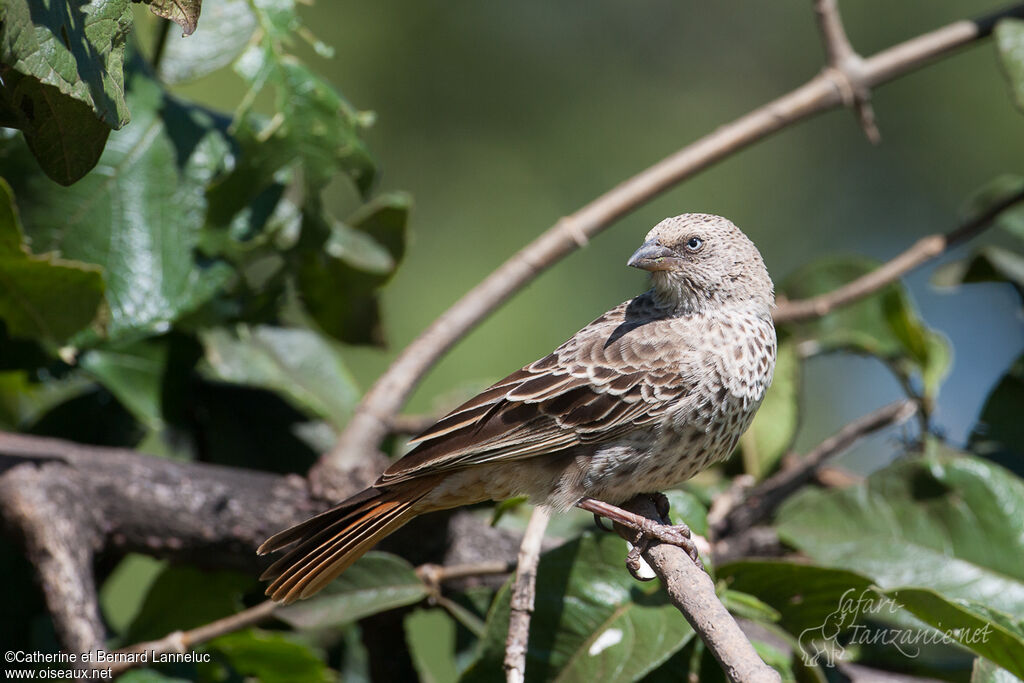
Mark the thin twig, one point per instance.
(692, 591)
(372, 418)
(922, 251)
(180, 642)
(762, 500)
(523, 594)
(435, 574)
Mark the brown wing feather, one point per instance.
(599, 385)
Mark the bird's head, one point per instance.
(698, 260)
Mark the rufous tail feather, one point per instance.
(326, 545)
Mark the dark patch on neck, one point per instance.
(639, 312)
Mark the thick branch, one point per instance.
(68, 502)
(692, 591)
(389, 393)
(922, 251)
(523, 594)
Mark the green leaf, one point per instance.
(687, 508)
(139, 214)
(1009, 34)
(999, 433)
(885, 324)
(42, 297)
(123, 592)
(227, 27)
(270, 657)
(802, 595)
(185, 597)
(377, 582)
(951, 523)
(313, 126)
(747, 606)
(62, 133)
(592, 621)
(338, 283)
(77, 48)
(184, 13)
(134, 374)
(298, 363)
(430, 635)
(774, 427)
(985, 631)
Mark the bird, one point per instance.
(641, 399)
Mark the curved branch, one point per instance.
(922, 251)
(373, 416)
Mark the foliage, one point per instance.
(160, 259)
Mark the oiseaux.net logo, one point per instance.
(845, 627)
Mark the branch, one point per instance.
(922, 251)
(56, 497)
(372, 418)
(180, 642)
(692, 591)
(846, 67)
(762, 500)
(523, 594)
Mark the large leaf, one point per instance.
(139, 213)
(821, 604)
(298, 363)
(375, 583)
(269, 657)
(592, 620)
(885, 324)
(774, 426)
(986, 631)
(186, 597)
(62, 133)
(951, 523)
(42, 297)
(999, 433)
(430, 635)
(77, 47)
(1009, 34)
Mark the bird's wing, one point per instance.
(618, 373)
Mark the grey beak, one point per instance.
(652, 256)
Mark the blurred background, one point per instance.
(499, 118)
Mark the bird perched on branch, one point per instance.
(650, 393)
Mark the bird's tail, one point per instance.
(328, 544)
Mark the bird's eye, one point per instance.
(694, 243)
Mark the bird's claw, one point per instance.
(599, 523)
(652, 532)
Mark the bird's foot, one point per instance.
(648, 531)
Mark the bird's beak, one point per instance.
(652, 256)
